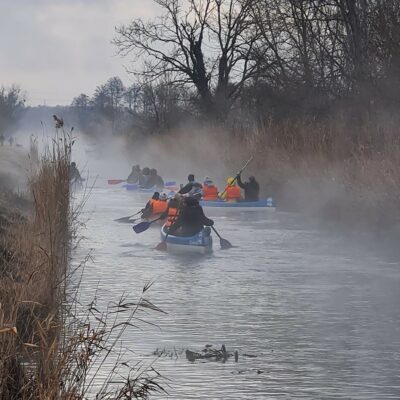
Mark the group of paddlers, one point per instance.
(146, 178)
(183, 213)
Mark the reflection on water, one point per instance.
(322, 317)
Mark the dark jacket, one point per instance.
(191, 220)
(251, 189)
(190, 187)
(133, 177)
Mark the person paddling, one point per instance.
(210, 191)
(251, 188)
(74, 175)
(134, 175)
(192, 188)
(155, 206)
(231, 191)
(154, 180)
(191, 219)
(172, 212)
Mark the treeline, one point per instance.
(246, 62)
(12, 103)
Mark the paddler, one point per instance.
(210, 191)
(191, 219)
(192, 188)
(251, 188)
(232, 191)
(157, 205)
(154, 180)
(134, 175)
(171, 214)
(74, 175)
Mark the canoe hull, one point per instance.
(197, 244)
(240, 205)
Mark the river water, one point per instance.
(311, 314)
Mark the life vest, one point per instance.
(158, 206)
(232, 193)
(172, 216)
(210, 192)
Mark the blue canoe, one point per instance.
(201, 243)
(240, 205)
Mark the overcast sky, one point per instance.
(57, 49)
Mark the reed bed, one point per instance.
(51, 347)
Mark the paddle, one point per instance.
(243, 168)
(225, 244)
(162, 246)
(115, 181)
(143, 226)
(127, 219)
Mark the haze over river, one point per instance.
(321, 314)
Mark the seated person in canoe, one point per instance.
(231, 192)
(210, 191)
(134, 175)
(154, 180)
(192, 188)
(156, 206)
(172, 212)
(74, 175)
(251, 188)
(191, 219)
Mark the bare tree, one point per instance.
(206, 43)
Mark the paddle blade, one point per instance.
(115, 181)
(225, 244)
(127, 220)
(162, 246)
(143, 226)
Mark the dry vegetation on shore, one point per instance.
(50, 346)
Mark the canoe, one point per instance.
(135, 187)
(267, 204)
(201, 243)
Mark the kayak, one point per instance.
(240, 205)
(201, 243)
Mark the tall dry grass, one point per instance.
(50, 347)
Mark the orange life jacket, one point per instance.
(210, 192)
(172, 216)
(232, 193)
(158, 206)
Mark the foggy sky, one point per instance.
(57, 49)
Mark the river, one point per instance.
(311, 314)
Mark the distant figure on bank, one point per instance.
(210, 191)
(134, 175)
(74, 175)
(11, 140)
(154, 180)
(251, 188)
(191, 219)
(192, 188)
(2, 138)
(231, 191)
(156, 206)
(144, 177)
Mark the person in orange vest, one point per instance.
(155, 206)
(231, 191)
(210, 191)
(172, 212)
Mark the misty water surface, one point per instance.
(321, 314)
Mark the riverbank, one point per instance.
(33, 264)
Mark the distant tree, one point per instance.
(12, 102)
(82, 101)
